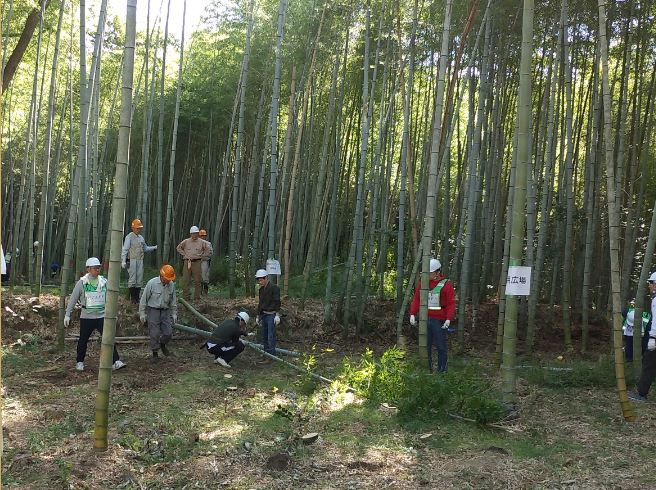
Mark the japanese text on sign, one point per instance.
(519, 281)
(273, 267)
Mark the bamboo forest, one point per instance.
(327, 244)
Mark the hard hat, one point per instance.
(93, 262)
(168, 272)
(629, 317)
(194, 229)
(260, 273)
(652, 278)
(244, 316)
(435, 265)
(136, 224)
(202, 232)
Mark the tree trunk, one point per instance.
(117, 222)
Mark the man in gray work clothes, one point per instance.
(159, 307)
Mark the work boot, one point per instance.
(134, 295)
(156, 357)
(165, 350)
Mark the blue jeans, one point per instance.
(268, 332)
(437, 335)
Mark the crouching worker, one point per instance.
(224, 342)
(90, 292)
(159, 307)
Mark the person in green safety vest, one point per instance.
(90, 292)
(648, 373)
(441, 312)
(627, 331)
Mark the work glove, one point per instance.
(446, 324)
(142, 318)
(413, 320)
(155, 247)
(67, 321)
(175, 318)
(651, 345)
(276, 320)
(124, 265)
(188, 264)
(257, 321)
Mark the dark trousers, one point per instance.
(648, 372)
(233, 350)
(268, 326)
(628, 346)
(87, 326)
(437, 336)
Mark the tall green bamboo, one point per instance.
(524, 113)
(431, 196)
(117, 221)
(613, 221)
(174, 143)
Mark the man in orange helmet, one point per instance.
(159, 308)
(134, 248)
(205, 264)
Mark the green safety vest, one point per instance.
(434, 295)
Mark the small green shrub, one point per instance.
(419, 395)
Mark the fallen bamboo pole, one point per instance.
(209, 322)
(206, 334)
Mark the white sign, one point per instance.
(273, 267)
(519, 281)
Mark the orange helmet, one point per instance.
(136, 224)
(202, 232)
(168, 272)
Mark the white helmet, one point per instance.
(244, 316)
(260, 273)
(435, 265)
(93, 262)
(652, 278)
(194, 229)
(629, 317)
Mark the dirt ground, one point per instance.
(187, 423)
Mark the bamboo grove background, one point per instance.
(303, 131)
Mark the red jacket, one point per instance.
(447, 301)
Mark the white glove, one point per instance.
(67, 321)
(175, 318)
(124, 265)
(257, 321)
(155, 247)
(276, 320)
(413, 320)
(142, 318)
(651, 345)
(446, 324)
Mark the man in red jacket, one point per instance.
(441, 310)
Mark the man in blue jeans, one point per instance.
(441, 310)
(267, 310)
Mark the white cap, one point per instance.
(244, 316)
(36, 244)
(92, 262)
(435, 265)
(260, 273)
(652, 278)
(629, 317)
(194, 229)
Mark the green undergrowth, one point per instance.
(394, 379)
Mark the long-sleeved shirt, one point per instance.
(652, 331)
(447, 309)
(90, 296)
(211, 251)
(269, 298)
(227, 331)
(134, 247)
(160, 296)
(191, 249)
